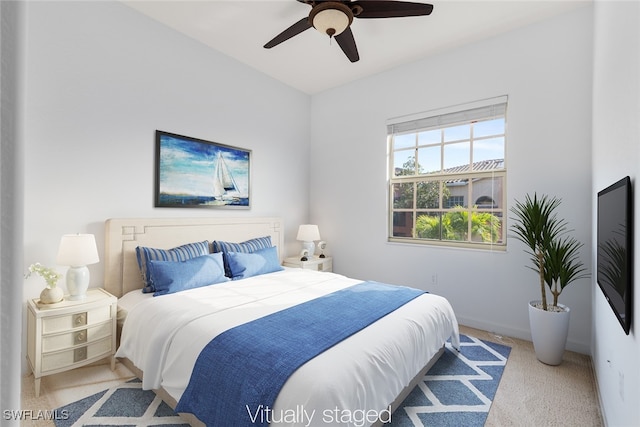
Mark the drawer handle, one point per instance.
(79, 354)
(80, 337)
(79, 319)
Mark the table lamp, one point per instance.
(77, 251)
(307, 233)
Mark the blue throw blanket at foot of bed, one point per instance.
(246, 366)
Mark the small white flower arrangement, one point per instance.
(48, 274)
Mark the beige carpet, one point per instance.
(530, 393)
(534, 394)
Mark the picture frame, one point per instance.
(195, 173)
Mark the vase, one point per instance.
(549, 331)
(51, 295)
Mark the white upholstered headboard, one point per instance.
(122, 236)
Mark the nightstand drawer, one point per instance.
(76, 320)
(61, 359)
(79, 336)
(324, 264)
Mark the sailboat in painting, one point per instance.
(225, 189)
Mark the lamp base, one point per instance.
(310, 247)
(77, 282)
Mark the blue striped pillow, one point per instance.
(246, 247)
(179, 253)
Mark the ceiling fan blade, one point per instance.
(390, 9)
(293, 30)
(348, 44)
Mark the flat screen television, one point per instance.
(615, 248)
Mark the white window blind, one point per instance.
(494, 107)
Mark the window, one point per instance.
(447, 176)
(453, 201)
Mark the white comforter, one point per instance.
(357, 377)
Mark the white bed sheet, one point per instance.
(164, 335)
(128, 301)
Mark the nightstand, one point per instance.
(70, 334)
(314, 263)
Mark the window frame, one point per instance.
(467, 114)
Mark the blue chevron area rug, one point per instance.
(124, 405)
(457, 391)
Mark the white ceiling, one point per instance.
(311, 63)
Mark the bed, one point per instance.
(357, 381)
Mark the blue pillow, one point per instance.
(168, 277)
(246, 247)
(179, 253)
(262, 261)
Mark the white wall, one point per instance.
(545, 69)
(616, 153)
(101, 78)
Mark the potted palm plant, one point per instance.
(555, 258)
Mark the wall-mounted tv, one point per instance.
(615, 248)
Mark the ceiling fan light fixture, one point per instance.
(334, 18)
(331, 18)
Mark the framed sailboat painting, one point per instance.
(192, 172)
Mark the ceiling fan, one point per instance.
(335, 17)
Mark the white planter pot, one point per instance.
(549, 330)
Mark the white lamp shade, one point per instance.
(77, 250)
(308, 233)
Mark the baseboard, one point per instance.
(495, 328)
(523, 334)
(597, 386)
